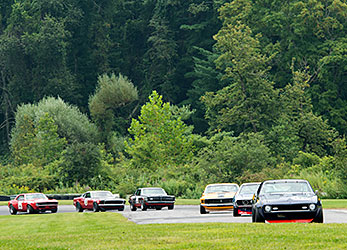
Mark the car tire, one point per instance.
(202, 210)
(258, 217)
(30, 209)
(53, 211)
(319, 217)
(132, 207)
(96, 207)
(79, 207)
(170, 207)
(121, 209)
(143, 206)
(13, 211)
(157, 208)
(236, 212)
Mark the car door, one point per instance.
(88, 201)
(21, 206)
(137, 196)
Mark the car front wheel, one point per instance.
(202, 210)
(96, 207)
(143, 206)
(319, 217)
(257, 216)
(30, 209)
(13, 211)
(236, 212)
(170, 207)
(54, 210)
(79, 207)
(132, 207)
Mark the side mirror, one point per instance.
(316, 192)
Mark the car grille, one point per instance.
(244, 202)
(161, 198)
(296, 207)
(216, 201)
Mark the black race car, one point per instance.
(286, 201)
(151, 198)
(243, 198)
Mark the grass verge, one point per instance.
(113, 231)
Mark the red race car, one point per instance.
(98, 201)
(32, 203)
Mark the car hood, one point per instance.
(219, 195)
(110, 199)
(244, 196)
(289, 198)
(42, 200)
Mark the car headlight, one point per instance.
(150, 199)
(267, 209)
(312, 206)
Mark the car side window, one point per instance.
(87, 195)
(138, 192)
(20, 198)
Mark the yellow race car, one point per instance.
(217, 197)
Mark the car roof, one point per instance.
(29, 193)
(286, 180)
(152, 188)
(212, 184)
(250, 183)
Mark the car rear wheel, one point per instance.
(143, 206)
(132, 207)
(202, 210)
(157, 208)
(13, 211)
(54, 210)
(236, 212)
(170, 207)
(79, 207)
(96, 207)
(30, 209)
(121, 209)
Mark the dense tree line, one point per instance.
(119, 94)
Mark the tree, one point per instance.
(108, 104)
(249, 102)
(160, 138)
(68, 121)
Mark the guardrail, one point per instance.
(50, 196)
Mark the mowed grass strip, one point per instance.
(113, 231)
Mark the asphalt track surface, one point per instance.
(188, 214)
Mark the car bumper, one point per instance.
(161, 203)
(218, 206)
(290, 216)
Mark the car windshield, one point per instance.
(285, 187)
(153, 191)
(102, 195)
(35, 196)
(248, 189)
(221, 188)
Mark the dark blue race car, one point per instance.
(286, 201)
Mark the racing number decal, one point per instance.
(20, 205)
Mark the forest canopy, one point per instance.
(121, 94)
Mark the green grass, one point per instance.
(113, 231)
(327, 203)
(330, 203)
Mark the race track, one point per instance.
(189, 214)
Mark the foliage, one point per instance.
(161, 139)
(111, 95)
